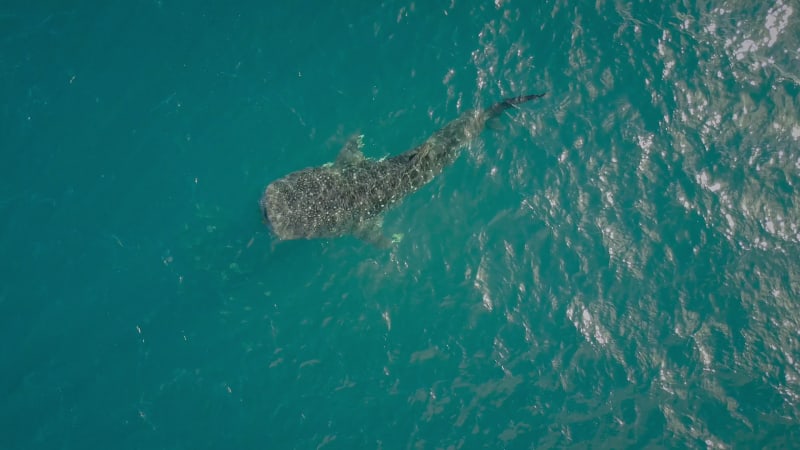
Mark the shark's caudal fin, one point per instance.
(498, 108)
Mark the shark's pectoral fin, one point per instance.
(351, 152)
(495, 124)
(372, 231)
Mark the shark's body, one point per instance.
(349, 196)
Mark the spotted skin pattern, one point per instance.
(349, 196)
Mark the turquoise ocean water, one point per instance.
(619, 267)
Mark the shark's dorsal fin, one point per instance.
(351, 152)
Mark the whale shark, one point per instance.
(350, 195)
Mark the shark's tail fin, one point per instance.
(498, 108)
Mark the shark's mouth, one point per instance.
(264, 213)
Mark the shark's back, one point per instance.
(332, 200)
